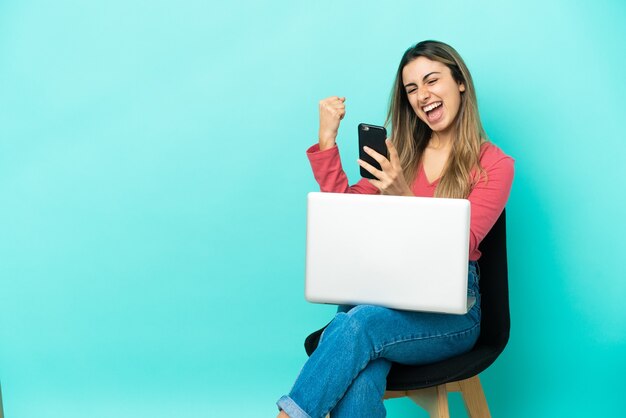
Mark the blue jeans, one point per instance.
(347, 373)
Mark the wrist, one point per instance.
(325, 144)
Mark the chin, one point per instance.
(441, 126)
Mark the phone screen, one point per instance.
(372, 136)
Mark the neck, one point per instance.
(441, 141)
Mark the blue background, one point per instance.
(153, 182)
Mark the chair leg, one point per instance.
(474, 398)
(1, 406)
(434, 400)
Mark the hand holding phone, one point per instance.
(371, 136)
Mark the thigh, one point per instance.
(416, 337)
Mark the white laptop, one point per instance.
(407, 253)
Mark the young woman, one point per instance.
(438, 149)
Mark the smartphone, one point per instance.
(373, 137)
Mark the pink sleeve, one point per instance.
(329, 174)
(489, 196)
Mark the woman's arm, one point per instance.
(489, 196)
(329, 173)
(324, 157)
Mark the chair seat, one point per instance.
(404, 377)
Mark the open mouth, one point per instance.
(433, 111)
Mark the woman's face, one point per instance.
(433, 94)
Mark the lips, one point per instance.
(434, 111)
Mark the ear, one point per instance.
(461, 87)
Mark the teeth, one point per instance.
(431, 106)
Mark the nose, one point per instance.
(423, 94)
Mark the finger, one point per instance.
(370, 168)
(376, 183)
(341, 110)
(332, 101)
(393, 154)
(384, 162)
(335, 109)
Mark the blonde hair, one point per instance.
(411, 135)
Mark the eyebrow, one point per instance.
(423, 78)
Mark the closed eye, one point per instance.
(432, 81)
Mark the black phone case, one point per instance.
(373, 137)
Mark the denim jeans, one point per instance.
(346, 375)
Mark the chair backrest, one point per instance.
(494, 287)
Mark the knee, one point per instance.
(366, 317)
(360, 323)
